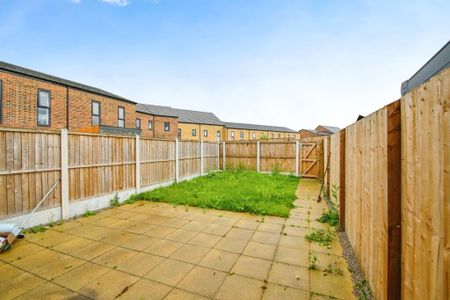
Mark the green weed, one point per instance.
(323, 237)
(115, 201)
(330, 217)
(88, 213)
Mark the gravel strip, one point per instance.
(361, 287)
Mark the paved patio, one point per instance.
(158, 251)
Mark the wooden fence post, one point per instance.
(297, 146)
(201, 157)
(394, 200)
(342, 161)
(218, 154)
(64, 173)
(224, 156)
(300, 153)
(258, 154)
(177, 163)
(138, 164)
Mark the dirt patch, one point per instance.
(361, 287)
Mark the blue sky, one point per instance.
(279, 62)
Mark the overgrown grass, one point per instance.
(239, 190)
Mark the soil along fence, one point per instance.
(391, 176)
(296, 157)
(93, 168)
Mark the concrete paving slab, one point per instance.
(211, 281)
(240, 287)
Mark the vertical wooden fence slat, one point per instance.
(394, 201)
(342, 163)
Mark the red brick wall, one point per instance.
(158, 126)
(80, 110)
(20, 102)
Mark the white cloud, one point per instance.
(117, 2)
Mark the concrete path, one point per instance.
(157, 251)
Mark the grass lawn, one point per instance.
(243, 191)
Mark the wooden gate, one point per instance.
(312, 163)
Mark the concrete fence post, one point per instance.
(201, 158)
(258, 153)
(138, 164)
(64, 173)
(224, 156)
(177, 163)
(297, 147)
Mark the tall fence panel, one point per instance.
(100, 164)
(366, 206)
(426, 190)
(29, 166)
(157, 161)
(277, 156)
(240, 155)
(210, 156)
(189, 156)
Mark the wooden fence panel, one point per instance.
(278, 156)
(29, 166)
(425, 184)
(210, 156)
(100, 165)
(157, 161)
(334, 167)
(189, 157)
(366, 198)
(240, 155)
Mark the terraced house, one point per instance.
(242, 131)
(34, 100)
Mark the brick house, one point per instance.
(320, 130)
(34, 100)
(156, 121)
(244, 132)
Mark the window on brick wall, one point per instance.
(241, 135)
(138, 123)
(150, 125)
(95, 110)
(218, 134)
(205, 133)
(121, 117)
(1, 101)
(194, 132)
(179, 133)
(232, 135)
(254, 135)
(166, 126)
(43, 111)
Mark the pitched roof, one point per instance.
(156, 110)
(316, 132)
(35, 74)
(332, 129)
(193, 116)
(257, 127)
